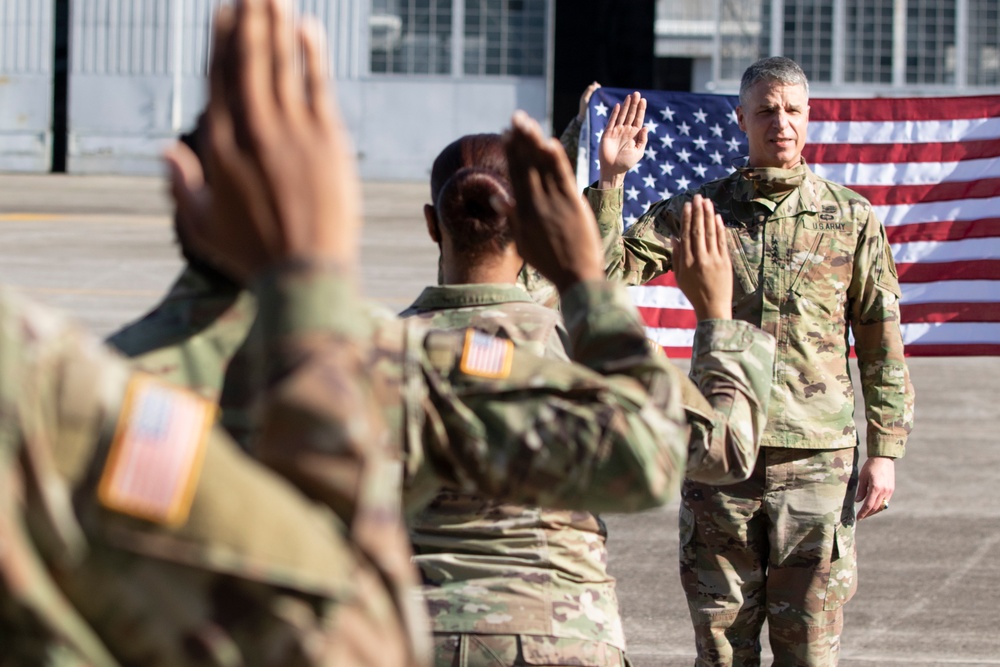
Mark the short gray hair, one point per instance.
(779, 69)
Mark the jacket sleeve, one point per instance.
(873, 303)
(643, 251)
(726, 400)
(605, 433)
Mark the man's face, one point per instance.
(775, 119)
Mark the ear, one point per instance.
(433, 230)
(740, 120)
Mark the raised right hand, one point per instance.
(701, 261)
(623, 142)
(554, 228)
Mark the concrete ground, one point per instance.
(930, 577)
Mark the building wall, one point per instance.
(137, 77)
(26, 50)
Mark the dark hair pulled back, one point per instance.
(466, 175)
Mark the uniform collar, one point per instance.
(439, 297)
(768, 186)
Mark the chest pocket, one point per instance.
(745, 248)
(820, 252)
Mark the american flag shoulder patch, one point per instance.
(156, 455)
(486, 356)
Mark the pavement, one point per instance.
(101, 248)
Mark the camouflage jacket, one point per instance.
(476, 414)
(190, 336)
(811, 264)
(133, 533)
(490, 567)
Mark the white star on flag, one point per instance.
(700, 143)
(665, 194)
(684, 129)
(667, 141)
(716, 157)
(733, 119)
(667, 113)
(599, 134)
(632, 194)
(666, 168)
(716, 130)
(700, 116)
(651, 126)
(601, 109)
(651, 153)
(734, 145)
(700, 169)
(683, 183)
(683, 155)
(630, 220)
(649, 181)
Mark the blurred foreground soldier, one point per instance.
(190, 337)
(811, 266)
(517, 585)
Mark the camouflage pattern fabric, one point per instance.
(811, 263)
(472, 650)
(85, 581)
(190, 336)
(810, 259)
(497, 568)
(750, 552)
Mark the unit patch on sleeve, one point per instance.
(486, 356)
(156, 455)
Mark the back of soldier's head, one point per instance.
(466, 176)
(776, 69)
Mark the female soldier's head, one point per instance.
(476, 242)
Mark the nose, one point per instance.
(781, 119)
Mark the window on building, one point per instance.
(410, 36)
(808, 37)
(497, 38)
(504, 37)
(930, 41)
(984, 43)
(868, 48)
(742, 33)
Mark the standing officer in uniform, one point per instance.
(811, 265)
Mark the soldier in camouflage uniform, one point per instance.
(509, 584)
(122, 543)
(190, 337)
(811, 264)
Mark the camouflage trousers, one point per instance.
(779, 546)
(482, 650)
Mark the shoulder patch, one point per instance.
(486, 356)
(155, 459)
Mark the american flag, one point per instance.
(929, 166)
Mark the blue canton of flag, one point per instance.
(693, 138)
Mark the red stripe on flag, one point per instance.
(969, 350)
(668, 318)
(677, 352)
(889, 195)
(950, 312)
(917, 108)
(927, 272)
(886, 153)
(947, 230)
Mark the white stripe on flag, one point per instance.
(951, 291)
(659, 296)
(902, 132)
(946, 251)
(950, 333)
(962, 209)
(908, 173)
(671, 337)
